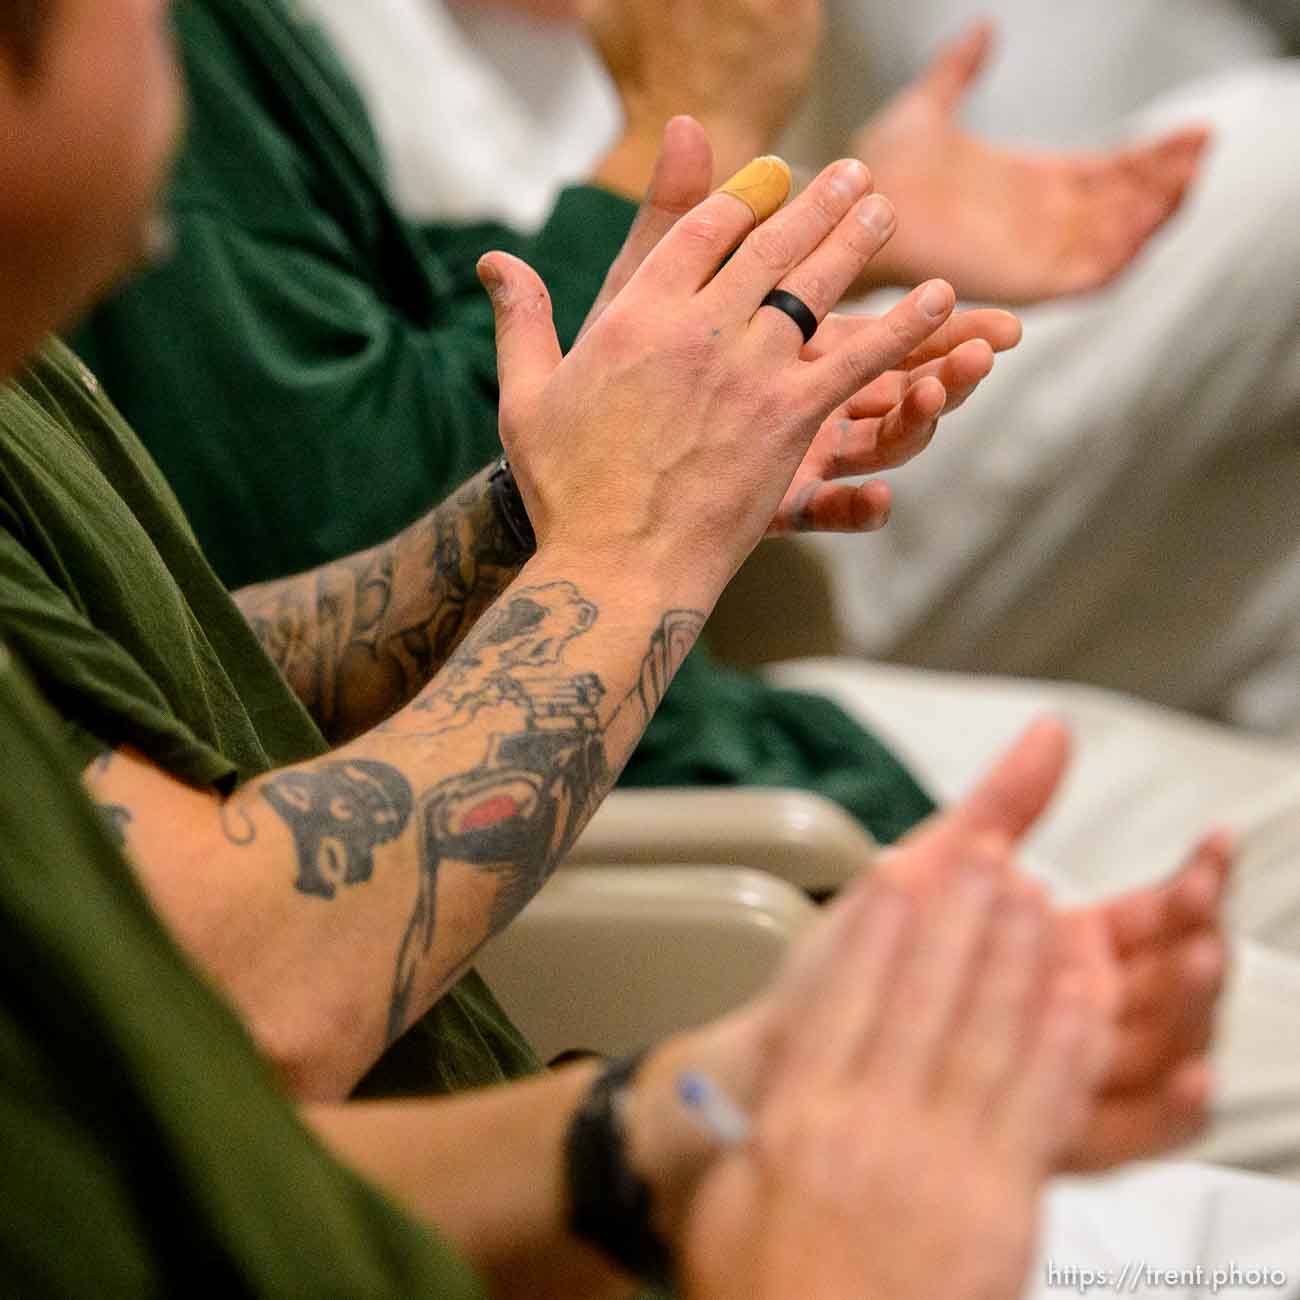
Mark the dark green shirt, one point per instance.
(311, 372)
(105, 595)
(144, 1149)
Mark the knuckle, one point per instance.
(858, 365)
(903, 330)
(698, 228)
(827, 204)
(770, 248)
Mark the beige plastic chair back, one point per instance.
(612, 959)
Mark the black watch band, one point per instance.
(510, 506)
(609, 1203)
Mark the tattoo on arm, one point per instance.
(339, 813)
(516, 809)
(360, 638)
(670, 643)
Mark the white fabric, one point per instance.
(481, 113)
(1125, 1234)
(1119, 503)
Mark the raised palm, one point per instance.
(1004, 225)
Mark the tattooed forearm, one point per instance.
(360, 638)
(515, 812)
(526, 745)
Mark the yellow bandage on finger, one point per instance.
(762, 186)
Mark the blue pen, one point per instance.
(712, 1109)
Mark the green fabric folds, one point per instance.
(105, 595)
(147, 1151)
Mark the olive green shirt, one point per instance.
(144, 1148)
(105, 595)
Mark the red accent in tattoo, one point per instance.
(499, 808)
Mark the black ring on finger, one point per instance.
(794, 307)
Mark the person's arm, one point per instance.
(336, 899)
(487, 1170)
(917, 1032)
(358, 639)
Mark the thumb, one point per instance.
(527, 347)
(683, 177)
(951, 75)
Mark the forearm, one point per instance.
(358, 639)
(486, 1170)
(336, 900)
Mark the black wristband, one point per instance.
(609, 1203)
(510, 506)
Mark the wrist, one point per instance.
(639, 576)
(666, 1144)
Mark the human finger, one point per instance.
(1008, 799)
(1138, 1126)
(844, 1001)
(873, 444)
(829, 270)
(681, 180)
(985, 1044)
(960, 373)
(821, 507)
(881, 346)
(933, 980)
(1176, 1021)
(955, 69)
(689, 255)
(1190, 897)
(1001, 330)
(780, 244)
(1046, 1101)
(528, 350)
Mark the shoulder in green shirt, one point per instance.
(106, 597)
(146, 1150)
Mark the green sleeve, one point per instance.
(147, 1150)
(104, 694)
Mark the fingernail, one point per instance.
(489, 277)
(877, 214)
(849, 179)
(762, 186)
(935, 299)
